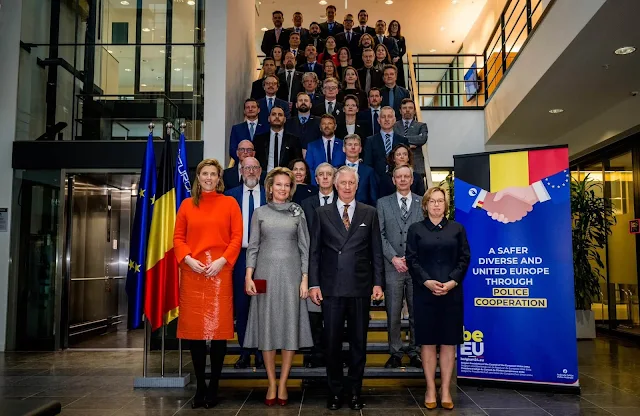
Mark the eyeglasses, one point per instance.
(330, 88)
(436, 202)
(246, 149)
(251, 168)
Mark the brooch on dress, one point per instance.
(295, 209)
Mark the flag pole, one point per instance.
(169, 127)
(145, 348)
(183, 127)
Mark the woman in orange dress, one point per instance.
(207, 241)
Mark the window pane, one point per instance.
(152, 68)
(118, 23)
(182, 67)
(154, 21)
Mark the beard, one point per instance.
(303, 108)
(289, 65)
(251, 182)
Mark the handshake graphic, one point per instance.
(509, 204)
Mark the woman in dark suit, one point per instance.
(301, 172)
(437, 256)
(398, 156)
(395, 33)
(351, 86)
(349, 124)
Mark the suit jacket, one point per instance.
(367, 192)
(346, 263)
(237, 193)
(317, 42)
(399, 94)
(368, 29)
(390, 43)
(257, 90)
(269, 40)
(362, 130)
(386, 186)
(375, 153)
(299, 54)
(304, 191)
(263, 117)
(319, 110)
(240, 132)
(309, 206)
(306, 132)
(417, 136)
(296, 86)
(289, 149)
(370, 121)
(324, 29)
(316, 154)
(376, 77)
(304, 35)
(393, 228)
(342, 42)
(231, 178)
(317, 68)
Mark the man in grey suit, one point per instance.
(396, 213)
(415, 132)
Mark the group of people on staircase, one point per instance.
(323, 211)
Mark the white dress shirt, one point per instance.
(321, 198)
(351, 128)
(350, 211)
(400, 196)
(245, 211)
(356, 163)
(272, 143)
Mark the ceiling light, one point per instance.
(323, 2)
(388, 2)
(127, 70)
(625, 50)
(124, 3)
(146, 29)
(189, 85)
(442, 28)
(161, 50)
(556, 110)
(264, 29)
(191, 3)
(432, 50)
(454, 1)
(177, 69)
(143, 85)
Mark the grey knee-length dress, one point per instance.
(279, 252)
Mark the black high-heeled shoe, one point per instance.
(199, 399)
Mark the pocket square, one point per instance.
(363, 225)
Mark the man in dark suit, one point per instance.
(324, 177)
(290, 80)
(367, 183)
(294, 48)
(416, 133)
(349, 39)
(232, 177)
(247, 129)
(371, 116)
(303, 124)
(362, 27)
(330, 27)
(345, 269)
(315, 37)
(369, 76)
(390, 43)
(311, 64)
(271, 85)
(297, 28)
(310, 84)
(250, 195)
(379, 145)
(330, 105)
(276, 36)
(275, 147)
(269, 69)
(393, 94)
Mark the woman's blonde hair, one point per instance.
(268, 182)
(196, 189)
(427, 196)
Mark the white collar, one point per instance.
(245, 188)
(330, 139)
(279, 132)
(341, 204)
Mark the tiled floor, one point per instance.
(100, 384)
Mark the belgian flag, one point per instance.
(161, 282)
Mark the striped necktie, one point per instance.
(406, 128)
(404, 209)
(387, 143)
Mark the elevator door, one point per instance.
(99, 224)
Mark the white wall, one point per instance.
(10, 18)
(478, 36)
(230, 33)
(561, 25)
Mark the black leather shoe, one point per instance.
(334, 403)
(393, 362)
(415, 362)
(355, 403)
(243, 362)
(259, 362)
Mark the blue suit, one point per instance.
(241, 300)
(317, 153)
(367, 192)
(399, 94)
(263, 117)
(240, 132)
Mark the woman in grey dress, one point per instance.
(278, 252)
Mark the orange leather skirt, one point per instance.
(206, 305)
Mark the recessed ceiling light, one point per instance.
(556, 110)
(109, 50)
(177, 69)
(159, 77)
(388, 2)
(161, 50)
(143, 85)
(124, 3)
(264, 29)
(432, 50)
(146, 29)
(625, 50)
(442, 28)
(454, 1)
(191, 3)
(323, 2)
(127, 70)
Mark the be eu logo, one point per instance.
(473, 344)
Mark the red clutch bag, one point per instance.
(261, 285)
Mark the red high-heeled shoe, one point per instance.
(270, 402)
(283, 402)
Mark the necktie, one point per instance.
(329, 151)
(406, 128)
(392, 97)
(387, 143)
(331, 27)
(276, 148)
(310, 67)
(326, 200)
(380, 37)
(364, 29)
(367, 83)
(251, 207)
(345, 217)
(374, 123)
(270, 104)
(404, 209)
(289, 78)
(330, 107)
(294, 52)
(349, 37)
(351, 165)
(303, 120)
(277, 35)
(252, 129)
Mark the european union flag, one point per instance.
(139, 236)
(181, 178)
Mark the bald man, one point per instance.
(232, 177)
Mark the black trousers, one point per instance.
(199, 358)
(315, 321)
(356, 312)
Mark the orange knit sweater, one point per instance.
(215, 225)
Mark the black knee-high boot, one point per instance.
(199, 359)
(218, 351)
